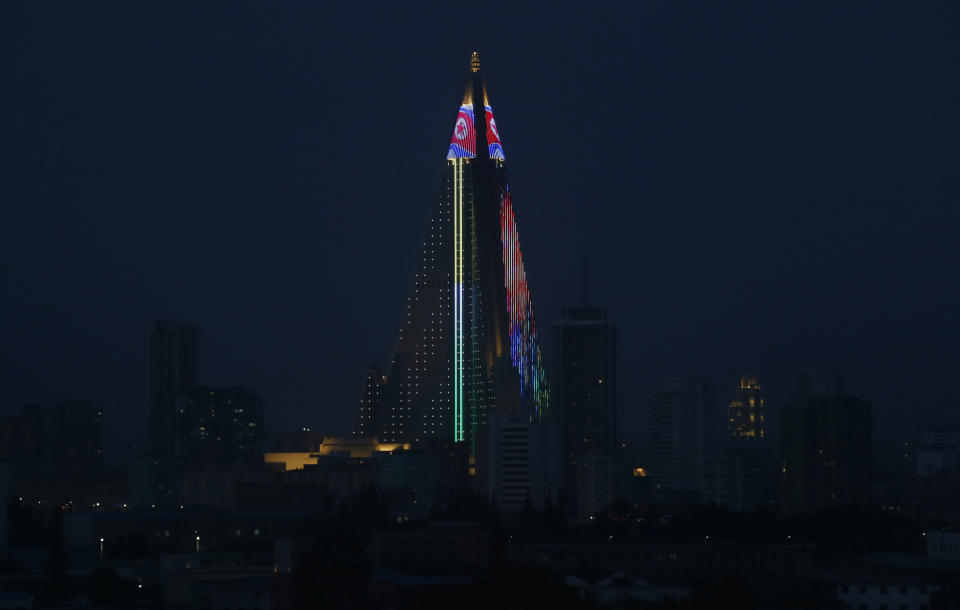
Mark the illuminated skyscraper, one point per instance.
(746, 413)
(738, 476)
(468, 344)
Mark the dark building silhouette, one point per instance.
(681, 418)
(55, 437)
(601, 477)
(468, 344)
(153, 482)
(409, 482)
(171, 373)
(827, 447)
(586, 396)
(219, 426)
(938, 450)
(735, 480)
(20, 438)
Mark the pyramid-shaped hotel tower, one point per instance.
(468, 345)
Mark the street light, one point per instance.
(101, 548)
(198, 544)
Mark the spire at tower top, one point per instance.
(475, 133)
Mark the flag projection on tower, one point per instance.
(463, 142)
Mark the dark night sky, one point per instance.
(758, 188)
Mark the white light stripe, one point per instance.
(458, 299)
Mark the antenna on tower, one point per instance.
(586, 293)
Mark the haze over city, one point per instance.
(638, 306)
(758, 189)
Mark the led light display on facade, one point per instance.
(463, 142)
(468, 344)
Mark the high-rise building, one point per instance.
(601, 478)
(681, 413)
(171, 374)
(468, 344)
(585, 340)
(520, 461)
(827, 453)
(586, 361)
(219, 426)
(827, 448)
(746, 413)
(735, 480)
(738, 474)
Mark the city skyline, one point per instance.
(766, 272)
(271, 340)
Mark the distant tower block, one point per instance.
(746, 413)
(585, 376)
